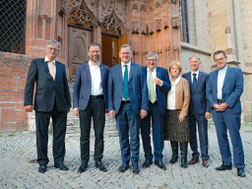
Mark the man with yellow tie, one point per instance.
(52, 99)
(158, 85)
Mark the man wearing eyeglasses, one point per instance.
(89, 100)
(52, 99)
(158, 85)
(224, 88)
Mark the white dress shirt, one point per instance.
(197, 75)
(95, 72)
(220, 81)
(54, 66)
(154, 75)
(171, 105)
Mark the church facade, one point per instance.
(175, 29)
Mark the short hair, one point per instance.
(219, 52)
(54, 42)
(194, 57)
(152, 53)
(126, 46)
(94, 45)
(175, 63)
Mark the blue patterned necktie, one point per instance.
(194, 81)
(125, 83)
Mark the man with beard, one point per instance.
(89, 100)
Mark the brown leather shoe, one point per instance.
(205, 163)
(194, 160)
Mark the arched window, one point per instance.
(183, 21)
(12, 26)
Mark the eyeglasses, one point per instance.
(217, 60)
(52, 49)
(94, 52)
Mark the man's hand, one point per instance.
(158, 81)
(68, 109)
(143, 114)
(76, 111)
(111, 113)
(28, 108)
(216, 106)
(222, 107)
(181, 118)
(207, 115)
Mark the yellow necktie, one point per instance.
(151, 86)
(51, 70)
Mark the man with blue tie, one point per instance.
(52, 100)
(128, 102)
(224, 88)
(89, 100)
(199, 111)
(158, 85)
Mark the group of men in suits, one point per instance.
(133, 95)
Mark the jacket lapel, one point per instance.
(226, 77)
(102, 73)
(87, 71)
(132, 69)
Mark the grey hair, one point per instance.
(194, 57)
(127, 46)
(54, 42)
(152, 53)
(219, 52)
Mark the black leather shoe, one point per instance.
(135, 168)
(123, 168)
(61, 166)
(42, 168)
(241, 172)
(83, 167)
(160, 164)
(224, 167)
(147, 163)
(100, 165)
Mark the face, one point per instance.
(125, 54)
(151, 62)
(174, 71)
(52, 52)
(94, 53)
(220, 60)
(194, 64)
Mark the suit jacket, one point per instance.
(47, 90)
(138, 92)
(82, 85)
(198, 102)
(161, 91)
(231, 90)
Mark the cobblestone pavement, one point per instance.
(18, 168)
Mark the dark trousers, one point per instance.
(128, 124)
(232, 122)
(157, 132)
(195, 119)
(95, 109)
(59, 120)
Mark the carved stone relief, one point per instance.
(144, 29)
(151, 28)
(135, 28)
(112, 24)
(175, 22)
(81, 17)
(166, 21)
(158, 25)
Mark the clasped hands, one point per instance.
(220, 107)
(143, 113)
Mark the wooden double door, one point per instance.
(80, 39)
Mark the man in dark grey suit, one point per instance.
(199, 111)
(89, 100)
(52, 99)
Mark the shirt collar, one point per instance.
(129, 64)
(197, 73)
(47, 60)
(148, 69)
(92, 65)
(224, 68)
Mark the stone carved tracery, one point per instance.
(81, 17)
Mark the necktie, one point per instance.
(194, 81)
(125, 83)
(151, 86)
(51, 70)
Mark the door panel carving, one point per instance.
(79, 40)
